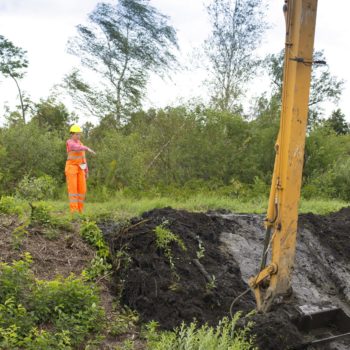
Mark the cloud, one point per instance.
(44, 7)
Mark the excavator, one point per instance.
(273, 281)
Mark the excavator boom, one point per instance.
(282, 216)
(273, 281)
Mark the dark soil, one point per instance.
(275, 330)
(333, 231)
(188, 291)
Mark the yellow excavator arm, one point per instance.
(274, 278)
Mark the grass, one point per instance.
(123, 207)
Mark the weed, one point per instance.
(164, 238)
(34, 189)
(127, 345)
(211, 285)
(93, 235)
(123, 322)
(40, 315)
(40, 214)
(223, 337)
(121, 259)
(12, 206)
(18, 235)
(99, 265)
(201, 250)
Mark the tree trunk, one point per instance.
(20, 97)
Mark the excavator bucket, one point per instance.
(322, 325)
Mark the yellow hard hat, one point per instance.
(75, 128)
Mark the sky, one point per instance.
(43, 27)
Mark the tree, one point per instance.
(53, 116)
(324, 85)
(338, 123)
(12, 63)
(123, 44)
(237, 30)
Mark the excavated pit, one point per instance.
(191, 286)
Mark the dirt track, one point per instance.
(233, 245)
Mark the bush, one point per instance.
(11, 206)
(223, 337)
(36, 189)
(93, 235)
(68, 309)
(99, 266)
(41, 214)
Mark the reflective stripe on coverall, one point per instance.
(76, 180)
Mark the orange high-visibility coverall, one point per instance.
(76, 176)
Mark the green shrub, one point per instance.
(70, 305)
(93, 235)
(68, 309)
(223, 337)
(123, 322)
(41, 214)
(99, 265)
(36, 188)
(18, 234)
(11, 206)
(16, 280)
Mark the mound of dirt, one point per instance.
(332, 230)
(195, 287)
(63, 254)
(232, 253)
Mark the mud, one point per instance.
(233, 245)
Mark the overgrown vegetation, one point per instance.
(100, 264)
(34, 314)
(225, 336)
(215, 153)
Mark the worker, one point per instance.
(76, 170)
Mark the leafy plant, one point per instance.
(127, 345)
(100, 265)
(164, 238)
(224, 336)
(123, 322)
(93, 235)
(12, 206)
(36, 188)
(18, 234)
(40, 214)
(54, 315)
(212, 284)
